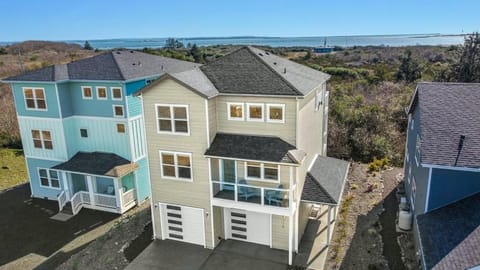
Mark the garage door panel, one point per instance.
(183, 223)
(248, 226)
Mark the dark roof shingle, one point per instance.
(325, 180)
(261, 148)
(450, 236)
(97, 163)
(447, 111)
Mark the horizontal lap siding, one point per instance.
(35, 187)
(280, 232)
(196, 193)
(286, 131)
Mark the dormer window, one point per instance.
(35, 99)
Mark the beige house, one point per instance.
(236, 150)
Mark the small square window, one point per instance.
(276, 113)
(118, 111)
(116, 93)
(87, 92)
(101, 92)
(255, 112)
(83, 133)
(235, 111)
(121, 128)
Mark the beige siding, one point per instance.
(286, 131)
(193, 194)
(303, 214)
(212, 118)
(218, 224)
(280, 232)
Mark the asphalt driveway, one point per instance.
(229, 255)
(26, 227)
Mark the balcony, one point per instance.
(247, 193)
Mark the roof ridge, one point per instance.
(112, 54)
(273, 70)
(316, 182)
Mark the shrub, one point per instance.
(344, 73)
(378, 164)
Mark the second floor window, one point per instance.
(172, 119)
(42, 139)
(255, 112)
(176, 165)
(101, 92)
(276, 113)
(35, 98)
(116, 93)
(118, 111)
(235, 111)
(263, 171)
(87, 92)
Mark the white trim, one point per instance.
(58, 101)
(466, 169)
(35, 98)
(43, 158)
(313, 162)
(106, 93)
(116, 119)
(49, 178)
(42, 140)
(39, 118)
(229, 111)
(262, 173)
(175, 165)
(252, 160)
(121, 93)
(172, 119)
(296, 122)
(429, 182)
(255, 105)
(162, 228)
(114, 113)
(83, 92)
(207, 123)
(268, 113)
(209, 164)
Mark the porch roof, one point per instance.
(98, 163)
(325, 180)
(261, 148)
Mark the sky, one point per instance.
(103, 19)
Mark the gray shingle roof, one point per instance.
(450, 236)
(97, 163)
(120, 65)
(198, 81)
(261, 148)
(253, 71)
(325, 180)
(448, 110)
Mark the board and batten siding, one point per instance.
(137, 138)
(285, 131)
(197, 192)
(280, 232)
(52, 110)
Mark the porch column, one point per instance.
(118, 194)
(290, 232)
(296, 228)
(65, 184)
(328, 225)
(90, 189)
(335, 213)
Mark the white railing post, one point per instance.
(262, 195)
(118, 194)
(65, 184)
(90, 189)
(235, 189)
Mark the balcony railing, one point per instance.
(278, 197)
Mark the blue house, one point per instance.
(442, 173)
(83, 131)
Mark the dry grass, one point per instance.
(13, 170)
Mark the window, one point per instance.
(118, 110)
(42, 139)
(255, 112)
(417, 149)
(235, 111)
(87, 92)
(172, 119)
(101, 92)
(116, 93)
(276, 113)
(83, 133)
(409, 172)
(412, 124)
(261, 171)
(176, 165)
(35, 99)
(49, 178)
(121, 128)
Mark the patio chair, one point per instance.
(274, 196)
(246, 192)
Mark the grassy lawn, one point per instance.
(13, 170)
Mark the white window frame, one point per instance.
(274, 120)
(114, 113)
(114, 88)
(254, 119)
(35, 99)
(262, 173)
(124, 128)
(106, 93)
(49, 179)
(413, 192)
(175, 164)
(83, 92)
(235, 118)
(172, 119)
(418, 142)
(42, 140)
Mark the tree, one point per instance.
(196, 54)
(409, 69)
(87, 46)
(467, 69)
(172, 43)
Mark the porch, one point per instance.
(107, 185)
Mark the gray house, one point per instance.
(442, 173)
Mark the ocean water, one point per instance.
(343, 41)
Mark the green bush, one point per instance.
(343, 73)
(378, 164)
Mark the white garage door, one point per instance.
(248, 226)
(183, 223)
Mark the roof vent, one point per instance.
(131, 51)
(267, 53)
(284, 70)
(275, 63)
(260, 54)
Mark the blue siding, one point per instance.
(134, 106)
(128, 181)
(38, 190)
(50, 95)
(143, 182)
(134, 86)
(448, 186)
(65, 97)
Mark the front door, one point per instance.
(79, 183)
